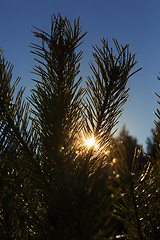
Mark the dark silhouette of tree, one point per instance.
(52, 185)
(130, 144)
(137, 193)
(152, 143)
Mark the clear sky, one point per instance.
(135, 22)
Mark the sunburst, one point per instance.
(90, 142)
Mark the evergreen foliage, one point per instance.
(152, 142)
(130, 143)
(53, 186)
(137, 193)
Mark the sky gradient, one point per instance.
(135, 22)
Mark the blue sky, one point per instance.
(135, 22)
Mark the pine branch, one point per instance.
(107, 91)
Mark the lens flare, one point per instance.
(90, 142)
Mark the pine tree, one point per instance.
(137, 193)
(15, 151)
(55, 185)
(130, 143)
(152, 142)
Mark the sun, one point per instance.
(90, 142)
